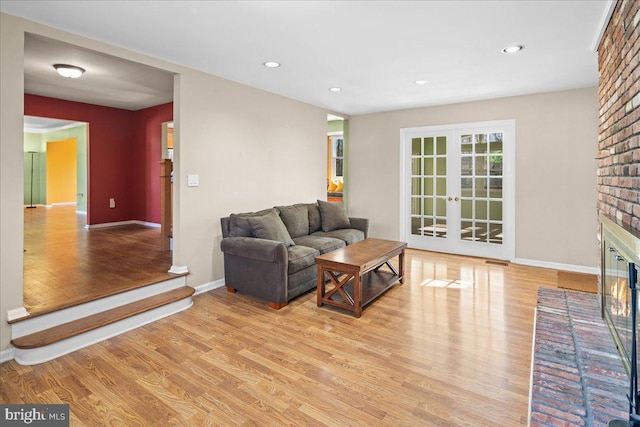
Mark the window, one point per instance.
(337, 156)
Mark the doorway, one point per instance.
(458, 192)
(55, 162)
(337, 137)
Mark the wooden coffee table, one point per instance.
(356, 275)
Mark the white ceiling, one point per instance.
(373, 50)
(43, 125)
(107, 81)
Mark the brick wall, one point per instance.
(619, 128)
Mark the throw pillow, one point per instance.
(333, 216)
(296, 219)
(332, 187)
(315, 223)
(340, 187)
(239, 226)
(270, 227)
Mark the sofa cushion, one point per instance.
(333, 216)
(322, 244)
(315, 223)
(270, 227)
(301, 257)
(349, 235)
(296, 219)
(240, 227)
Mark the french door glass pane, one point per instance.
(481, 187)
(416, 186)
(415, 206)
(428, 166)
(429, 186)
(416, 146)
(428, 207)
(495, 210)
(496, 233)
(416, 166)
(428, 146)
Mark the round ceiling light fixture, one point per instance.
(335, 89)
(69, 71)
(421, 82)
(512, 49)
(271, 64)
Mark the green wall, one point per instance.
(38, 142)
(335, 126)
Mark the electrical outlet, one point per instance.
(112, 203)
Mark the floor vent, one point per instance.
(494, 262)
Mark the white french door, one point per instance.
(458, 188)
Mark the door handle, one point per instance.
(457, 199)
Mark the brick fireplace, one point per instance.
(619, 127)
(619, 177)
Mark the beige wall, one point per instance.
(11, 179)
(252, 149)
(556, 146)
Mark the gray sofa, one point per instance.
(270, 254)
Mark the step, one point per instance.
(62, 339)
(34, 323)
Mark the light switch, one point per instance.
(193, 180)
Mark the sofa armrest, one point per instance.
(361, 224)
(254, 248)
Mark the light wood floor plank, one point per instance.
(66, 264)
(449, 347)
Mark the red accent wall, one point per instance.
(123, 157)
(147, 154)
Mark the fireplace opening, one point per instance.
(620, 264)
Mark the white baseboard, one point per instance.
(147, 224)
(6, 355)
(81, 212)
(109, 224)
(557, 266)
(64, 204)
(206, 287)
(119, 223)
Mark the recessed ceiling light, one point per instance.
(422, 82)
(512, 49)
(70, 71)
(272, 64)
(335, 89)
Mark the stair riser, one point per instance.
(46, 321)
(60, 348)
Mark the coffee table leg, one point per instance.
(401, 269)
(320, 289)
(357, 297)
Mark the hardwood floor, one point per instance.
(66, 264)
(449, 347)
